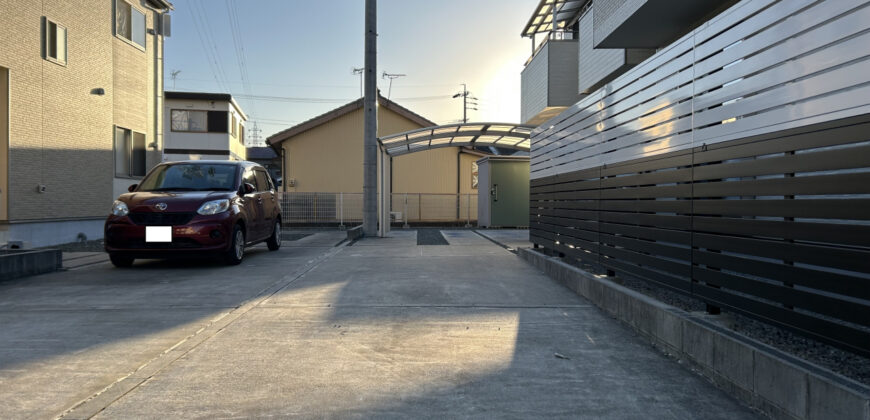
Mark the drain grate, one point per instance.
(430, 237)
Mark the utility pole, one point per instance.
(465, 94)
(370, 139)
(359, 71)
(391, 77)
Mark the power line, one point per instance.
(205, 48)
(272, 98)
(241, 59)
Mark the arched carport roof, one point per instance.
(504, 135)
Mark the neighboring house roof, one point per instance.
(343, 110)
(263, 153)
(205, 96)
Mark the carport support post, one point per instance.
(341, 211)
(386, 194)
(370, 138)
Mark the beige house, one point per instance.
(325, 154)
(80, 111)
(201, 125)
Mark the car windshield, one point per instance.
(190, 177)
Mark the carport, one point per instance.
(501, 135)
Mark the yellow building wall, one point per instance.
(329, 157)
(432, 171)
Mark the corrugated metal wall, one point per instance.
(534, 85)
(594, 64)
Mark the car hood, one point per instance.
(180, 201)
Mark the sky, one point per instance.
(297, 56)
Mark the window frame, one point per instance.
(172, 129)
(265, 176)
(46, 38)
(130, 19)
(129, 153)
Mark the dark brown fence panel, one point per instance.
(776, 227)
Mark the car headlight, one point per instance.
(119, 208)
(214, 207)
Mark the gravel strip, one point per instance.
(832, 358)
(95, 245)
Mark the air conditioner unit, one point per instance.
(396, 216)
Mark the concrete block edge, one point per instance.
(827, 394)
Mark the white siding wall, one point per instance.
(534, 85)
(562, 80)
(550, 79)
(197, 141)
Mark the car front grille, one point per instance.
(160, 219)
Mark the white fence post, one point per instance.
(341, 211)
(468, 211)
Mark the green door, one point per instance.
(509, 197)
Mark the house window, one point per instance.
(233, 125)
(189, 120)
(241, 133)
(54, 42)
(129, 153)
(129, 23)
(199, 121)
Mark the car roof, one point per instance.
(244, 163)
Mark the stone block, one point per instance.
(734, 360)
(698, 343)
(830, 400)
(668, 329)
(781, 383)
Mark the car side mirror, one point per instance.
(248, 188)
(132, 187)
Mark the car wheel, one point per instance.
(237, 247)
(274, 241)
(121, 261)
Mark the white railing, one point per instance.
(759, 67)
(346, 208)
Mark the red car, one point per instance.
(192, 208)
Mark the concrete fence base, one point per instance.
(763, 377)
(20, 263)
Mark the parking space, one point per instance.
(381, 328)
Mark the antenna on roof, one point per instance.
(173, 74)
(359, 71)
(391, 77)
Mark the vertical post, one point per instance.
(370, 147)
(468, 211)
(419, 207)
(341, 211)
(405, 213)
(464, 104)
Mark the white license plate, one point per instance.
(158, 233)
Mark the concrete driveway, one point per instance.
(381, 328)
